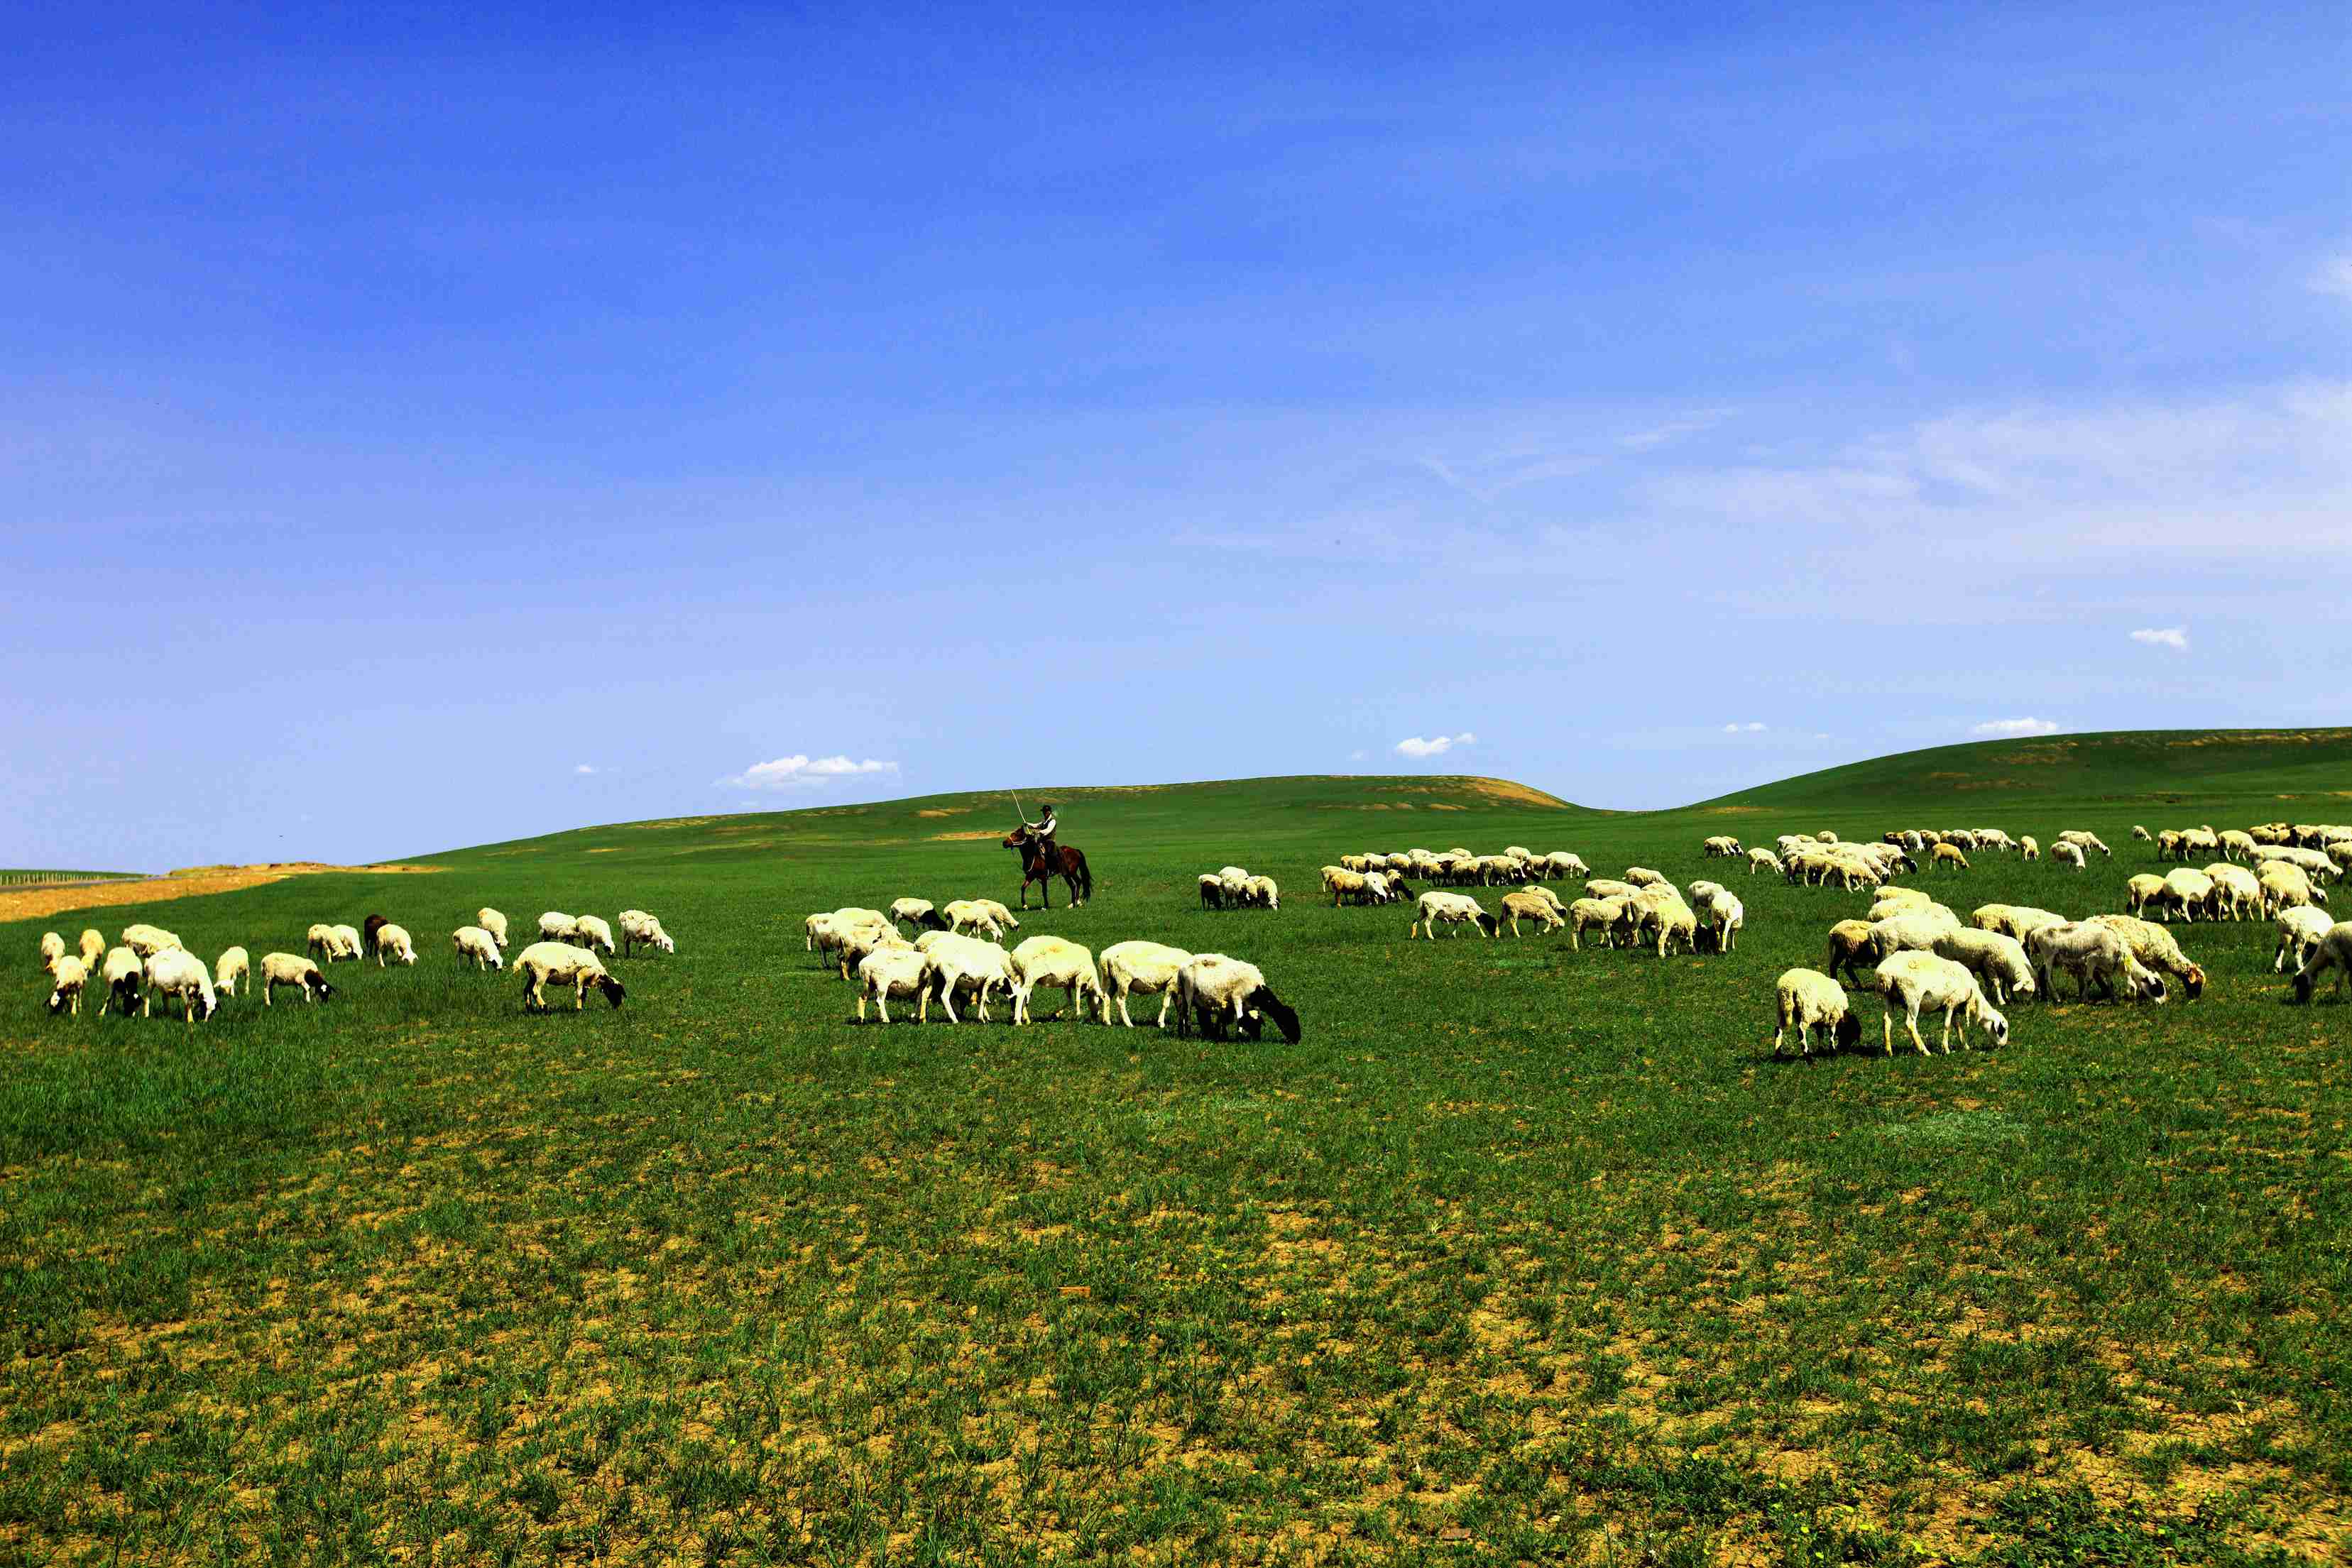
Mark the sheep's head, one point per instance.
(1996, 1026)
(320, 987)
(1263, 1001)
(614, 990)
(2193, 982)
(2149, 987)
(1849, 1031)
(207, 1005)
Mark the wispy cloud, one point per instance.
(2176, 637)
(798, 772)
(1435, 746)
(2012, 728)
(2334, 277)
(1358, 756)
(1751, 727)
(583, 769)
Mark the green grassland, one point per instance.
(1520, 1254)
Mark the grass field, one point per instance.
(1521, 1254)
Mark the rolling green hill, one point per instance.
(2240, 768)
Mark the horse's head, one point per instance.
(1018, 838)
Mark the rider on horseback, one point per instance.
(1043, 830)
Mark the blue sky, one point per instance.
(420, 428)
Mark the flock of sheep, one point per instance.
(958, 951)
(152, 961)
(1923, 958)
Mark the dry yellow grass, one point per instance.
(190, 882)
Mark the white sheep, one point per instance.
(591, 932)
(322, 940)
(1214, 991)
(2237, 892)
(477, 943)
(1662, 907)
(971, 913)
(2090, 952)
(391, 941)
(1525, 904)
(93, 950)
(2156, 949)
(557, 926)
(1451, 909)
(68, 974)
(176, 972)
(53, 948)
(287, 969)
(347, 942)
(2142, 834)
(565, 965)
(2144, 889)
(1726, 916)
(2066, 853)
(1563, 863)
(1945, 854)
(1053, 961)
(917, 913)
(2084, 839)
(2018, 920)
(491, 921)
(1642, 876)
(1611, 915)
(2286, 886)
(859, 943)
(148, 940)
(1262, 891)
(1998, 962)
(826, 932)
(2300, 931)
(952, 963)
(2186, 890)
(2237, 844)
(1914, 981)
(1913, 931)
(890, 972)
(2028, 847)
(2334, 955)
(639, 929)
(1722, 844)
(1811, 999)
(1761, 859)
(125, 977)
(232, 966)
(1146, 967)
(1609, 887)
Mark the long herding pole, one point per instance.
(1024, 818)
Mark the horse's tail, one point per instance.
(1085, 878)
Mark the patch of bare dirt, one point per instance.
(972, 834)
(190, 882)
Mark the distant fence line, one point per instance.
(39, 878)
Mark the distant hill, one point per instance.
(1396, 811)
(2161, 766)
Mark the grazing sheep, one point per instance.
(2090, 952)
(286, 970)
(557, 926)
(2088, 841)
(973, 913)
(2155, 948)
(176, 972)
(2187, 891)
(53, 948)
(998, 913)
(1212, 890)
(639, 929)
(1725, 917)
(148, 940)
(1387, 887)
(2300, 931)
(230, 967)
(1722, 844)
(1526, 906)
(1675, 921)
(1997, 961)
(2067, 854)
(2237, 892)
(1609, 887)
(1561, 864)
(368, 928)
(68, 974)
(93, 950)
(1853, 944)
(391, 941)
(2144, 890)
(1214, 991)
(1262, 891)
(125, 977)
(2238, 845)
(2018, 920)
(1922, 981)
(475, 942)
(2028, 847)
(1053, 961)
(1642, 876)
(1914, 930)
(1611, 915)
(2313, 864)
(1811, 999)
(331, 943)
(1148, 968)
(2333, 954)
(890, 972)
(1452, 909)
(953, 963)
(861, 940)
(591, 932)
(1896, 900)
(2142, 834)
(491, 921)
(1945, 854)
(565, 965)
(917, 913)
(1759, 858)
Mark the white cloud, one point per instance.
(1750, 729)
(797, 772)
(2334, 277)
(1436, 746)
(2175, 637)
(2012, 728)
(1358, 756)
(584, 769)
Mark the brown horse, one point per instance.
(1067, 863)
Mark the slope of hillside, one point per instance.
(1269, 812)
(2159, 766)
